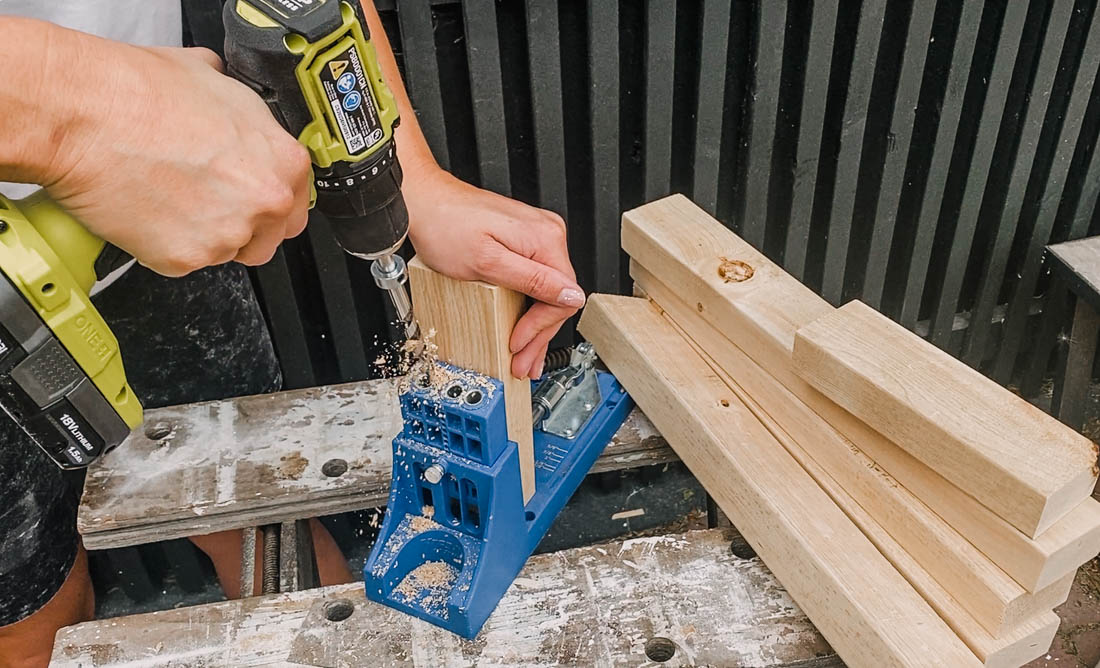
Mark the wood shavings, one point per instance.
(429, 583)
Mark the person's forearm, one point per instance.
(412, 147)
(39, 102)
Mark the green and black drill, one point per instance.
(61, 373)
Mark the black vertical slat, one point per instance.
(1048, 207)
(603, 55)
(851, 146)
(422, 73)
(544, 53)
(183, 559)
(1058, 300)
(768, 66)
(711, 98)
(286, 322)
(902, 120)
(814, 88)
(1012, 28)
(1086, 203)
(133, 576)
(950, 111)
(993, 270)
(660, 62)
(486, 90)
(336, 288)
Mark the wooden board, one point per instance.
(852, 593)
(1007, 453)
(696, 257)
(597, 605)
(470, 323)
(990, 597)
(1078, 262)
(1011, 646)
(248, 461)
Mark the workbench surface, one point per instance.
(235, 463)
(601, 605)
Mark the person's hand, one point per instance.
(176, 163)
(473, 234)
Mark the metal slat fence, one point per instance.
(916, 154)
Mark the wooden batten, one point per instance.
(866, 610)
(1018, 461)
(470, 323)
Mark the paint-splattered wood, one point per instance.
(592, 606)
(255, 460)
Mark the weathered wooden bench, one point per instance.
(684, 599)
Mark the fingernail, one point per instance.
(538, 370)
(571, 297)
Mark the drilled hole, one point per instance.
(741, 548)
(334, 468)
(725, 403)
(157, 431)
(454, 391)
(473, 398)
(339, 610)
(660, 649)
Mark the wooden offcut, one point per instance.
(1018, 461)
(692, 253)
(855, 597)
(470, 324)
(864, 491)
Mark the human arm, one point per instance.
(153, 149)
(473, 234)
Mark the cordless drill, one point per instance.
(313, 64)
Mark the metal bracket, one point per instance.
(566, 400)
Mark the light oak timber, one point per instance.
(676, 240)
(991, 598)
(1024, 642)
(1018, 461)
(865, 609)
(470, 323)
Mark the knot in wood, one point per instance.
(734, 271)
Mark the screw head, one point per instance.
(158, 430)
(433, 474)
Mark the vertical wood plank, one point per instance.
(714, 51)
(544, 56)
(993, 270)
(1033, 263)
(414, 18)
(856, 110)
(487, 91)
(336, 289)
(950, 111)
(981, 164)
(603, 55)
(473, 322)
(818, 65)
(285, 321)
(902, 121)
(660, 62)
(771, 30)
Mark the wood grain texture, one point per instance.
(247, 461)
(591, 606)
(850, 591)
(470, 323)
(678, 241)
(992, 600)
(1018, 461)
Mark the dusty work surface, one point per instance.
(593, 606)
(229, 464)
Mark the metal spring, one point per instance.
(557, 359)
(271, 559)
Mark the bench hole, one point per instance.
(741, 548)
(334, 468)
(157, 431)
(338, 610)
(660, 649)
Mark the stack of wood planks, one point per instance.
(918, 512)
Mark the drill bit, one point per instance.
(390, 274)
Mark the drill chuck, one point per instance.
(364, 204)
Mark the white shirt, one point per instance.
(141, 22)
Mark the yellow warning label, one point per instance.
(337, 68)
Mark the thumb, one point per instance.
(537, 280)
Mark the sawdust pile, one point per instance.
(433, 580)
